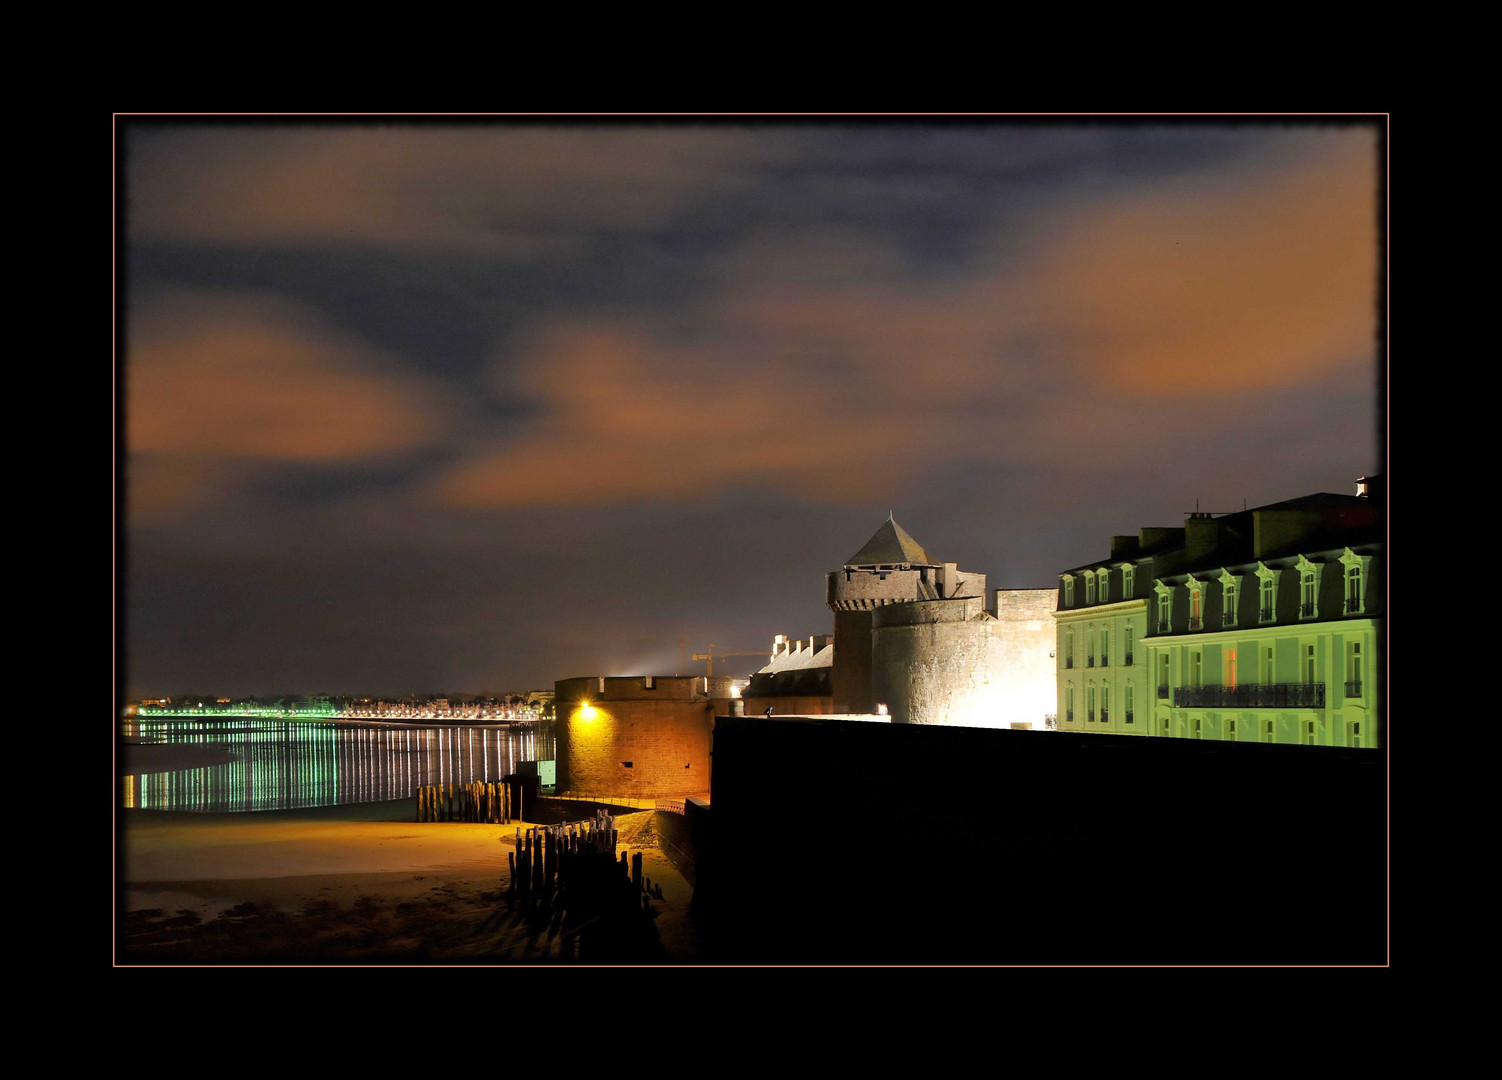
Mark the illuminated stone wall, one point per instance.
(620, 737)
(951, 662)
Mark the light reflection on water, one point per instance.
(292, 764)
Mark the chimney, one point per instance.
(1123, 547)
(1201, 536)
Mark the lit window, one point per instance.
(1196, 606)
(1069, 708)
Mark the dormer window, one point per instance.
(1229, 595)
(1068, 580)
(1267, 594)
(1308, 588)
(1196, 605)
(1356, 569)
(1089, 588)
(1128, 573)
(1103, 584)
(1165, 606)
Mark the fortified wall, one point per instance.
(644, 736)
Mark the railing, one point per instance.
(1353, 689)
(1163, 690)
(1250, 696)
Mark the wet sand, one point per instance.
(358, 883)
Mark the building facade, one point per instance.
(1258, 626)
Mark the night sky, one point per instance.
(432, 406)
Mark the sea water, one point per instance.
(294, 764)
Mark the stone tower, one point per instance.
(891, 568)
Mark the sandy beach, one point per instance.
(361, 883)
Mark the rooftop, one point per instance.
(890, 545)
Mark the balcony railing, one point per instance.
(1353, 689)
(1250, 696)
(1163, 690)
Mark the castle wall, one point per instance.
(947, 662)
(629, 739)
(850, 681)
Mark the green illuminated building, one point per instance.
(1258, 626)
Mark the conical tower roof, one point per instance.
(888, 546)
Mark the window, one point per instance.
(1105, 647)
(1309, 665)
(1127, 574)
(1268, 607)
(1265, 676)
(1165, 609)
(1089, 587)
(1091, 715)
(1269, 732)
(1228, 666)
(651, 682)
(1103, 585)
(1310, 736)
(1105, 703)
(1163, 675)
(1126, 654)
(1356, 567)
(1353, 669)
(1197, 731)
(1306, 594)
(1090, 647)
(1128, 703)
(1231, 730)
(1196, 606)
(1228, 600)
(1069, 709)
(1068, 591)
(1069, 648)
(1196, 668)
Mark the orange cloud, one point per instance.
(212, 382)
(1267, 279)
(854, 379)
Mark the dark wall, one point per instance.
(962, 845)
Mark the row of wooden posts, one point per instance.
(485, 802)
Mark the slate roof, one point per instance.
(889, 546)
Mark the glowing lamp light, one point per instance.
(881, 710)
(587, 712)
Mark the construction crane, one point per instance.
(709, 657)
